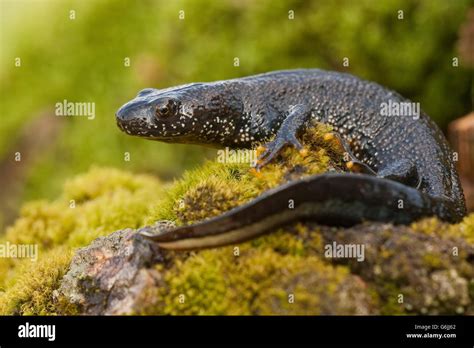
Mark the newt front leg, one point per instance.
(298, 115)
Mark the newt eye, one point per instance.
(166, 109)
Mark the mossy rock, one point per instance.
(426, 267)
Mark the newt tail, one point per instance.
(329, 199)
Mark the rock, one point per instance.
(286, 273)
(110, 275)
(423, 268)
(433, 274)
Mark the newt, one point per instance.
(393, 158)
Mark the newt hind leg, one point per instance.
(297, 118)
(352, 162)
(403, 171)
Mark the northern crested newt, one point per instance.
(400, 157)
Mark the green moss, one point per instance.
(433, 261)
(390, 304)
(433, 226)
(31, 291)
(99, 183)
(45, 223)
(261, 276)
(105, 200)
(218, 187)
(263, 279)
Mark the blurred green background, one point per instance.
(82, 60)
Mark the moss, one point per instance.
(98, 183)
(31, 291)
(262, 279)
(279, 273)
(433, 261)
(420, 266)
(390, 304)
(106, 199)
(433, 226)
(46, 223)
(217, 187)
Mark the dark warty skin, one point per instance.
(404, 157)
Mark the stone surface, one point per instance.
(110, 275)
(403, 271)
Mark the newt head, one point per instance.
(184, 114)
(156, 114)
